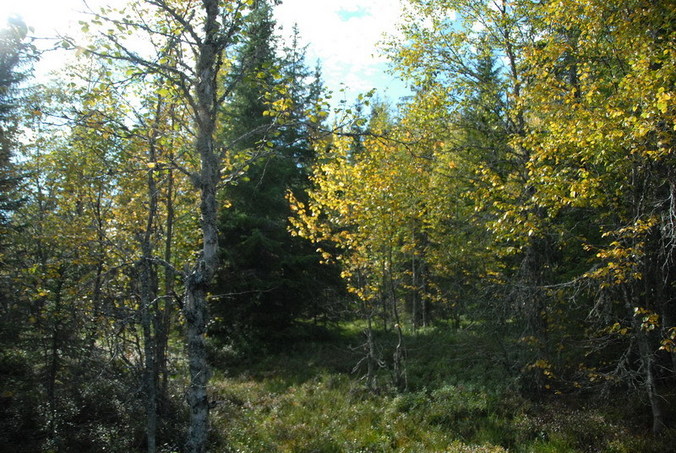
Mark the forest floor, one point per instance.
(311, 398)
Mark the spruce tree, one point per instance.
(15, 53)
(268, 277)
(16, 372)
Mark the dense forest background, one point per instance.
(201, 250)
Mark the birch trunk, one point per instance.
(197, 283)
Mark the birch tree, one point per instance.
(602, 94)
(192, 46)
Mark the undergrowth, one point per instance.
(310, 399)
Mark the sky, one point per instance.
(341, 34)
(344, 35)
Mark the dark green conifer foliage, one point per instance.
(15, 53)
(485, 129)
(269, 278)
(17, 378)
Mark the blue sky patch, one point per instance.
(347, 14)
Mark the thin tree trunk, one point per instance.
(414, 292)
(649, 351)
(647, 364)
(423, 301)
(164, 315)
(197, 283)
(54, 366)
(149, 381)
(399, 365)
(196, 316)
(148, 293)
(371, 361)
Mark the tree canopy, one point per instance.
(187, 196)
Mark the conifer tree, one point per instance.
(268, 278)
(15, 53)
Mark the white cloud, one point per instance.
(346, 44)
(343, 34)
(47, 17)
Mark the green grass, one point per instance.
(308, 399)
